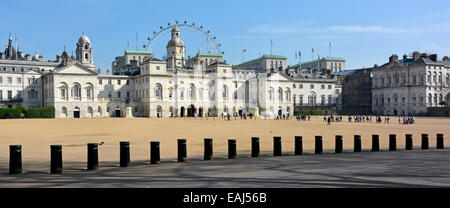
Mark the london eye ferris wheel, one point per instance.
(197, 37)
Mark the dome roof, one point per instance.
(175, 43)
(84, 39)
(36, 57)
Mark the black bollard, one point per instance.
(15, 159)
(92, 162)
(56, 164)
(208, 149)
(392, 142)
(154, 153)
(182, 153)
(232, 149)
(357, 143)
(298, 145)
(408, 142)
(277, 146)
(319, 147)
(375, 142)
(439, 141)
(339, 144)
(255, 146)
(425, 144)
(124, 154)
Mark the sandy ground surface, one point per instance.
(36, 136)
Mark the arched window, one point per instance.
(76, 91)
(64, 111)
(86, 56)
(191, 92)
(225, 92)
(158, 91)
(182, 93)
(280, 94)
(271, 94)
(170, 93)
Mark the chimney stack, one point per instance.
(434, 57)
(393, 58)
(416, 55)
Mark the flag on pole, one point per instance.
(313, 50)
(330, 44)
(300, 54)
(245, 50)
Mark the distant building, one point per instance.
(266, 63)
(357, 92)
(203, 59)
(325, 65)
(412, 85)
(130, 62)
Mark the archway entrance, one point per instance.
(158, 111)
(182, 112)
(191, 111)
(200, 112)
(117, 112)
(76, 112)
(395, 112)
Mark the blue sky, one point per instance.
(364, 32)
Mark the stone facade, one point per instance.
(412, 85)
(204, 85)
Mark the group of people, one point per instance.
(303, 118)
(406, 120)
(283, 117)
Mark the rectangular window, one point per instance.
(118, 82)
(9, 95)
(109, 81)
(19, 94)
(128, 94)
(322, 86)
(9, 80)
(1, 80)
(1, 95)
(128, 82)
(329, 87)
(118, 94)
(300, 86)
(312, 86)
(19, 80)
(100, 81)
(63, 93)
(157, 68)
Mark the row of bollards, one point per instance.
(56, 162)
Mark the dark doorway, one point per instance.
(200, 112)
(182, 112)
(76, 112)
(117, 113)
(191, 111)
(395, 112)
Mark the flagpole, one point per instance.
(329, 50)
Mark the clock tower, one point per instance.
(176, 57)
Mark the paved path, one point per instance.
(416, 168)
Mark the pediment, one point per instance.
(75, 69)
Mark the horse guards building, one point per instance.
(141, 85)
